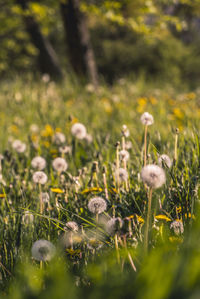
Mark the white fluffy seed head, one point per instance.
(125, 131)
(39, 177)
(97, 205)
(79, 131)
(164, 159)
(43, 250)
(88, 138)
(113, 225)
(27, 218)
(65, 149)
(38, 163)
(128, 145)
(121, 174)
(45, 197)
(153, 176)
(19, 146)
(59, 164)
(177, 227)
(34, 128)
(71, 226)
(59, 138)
(147, 119)
(124, 155)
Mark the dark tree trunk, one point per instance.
(78, 40)
(48, 60)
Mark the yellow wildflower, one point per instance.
(90, 190)
(48, 131)
(56, 190)
(162, 217)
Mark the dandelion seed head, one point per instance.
(166, 159)
(45, 197)
(59, 164)
(34, 128)
(88, 138)
(147, 119)
(79, 131)
(97, 205)
(46, 78)
(125, 131)
(124, 155)
(113, 225)
(122, 174)
(43, 250)
(19, 146)
(38, 163)
(27, 218)
(177, 227)
(71, 226)
(59, 138)
(39, 177)
(153, 176)
(65, 149)
(128, 145)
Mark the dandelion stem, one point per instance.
(117, 164)
(41, 201)
(146, 233)
(117, 249)
(105, 183)
(145, 145)
(176, 145)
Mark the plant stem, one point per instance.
(145, 145)
(41, 201)
(146, 233)
(176, 145)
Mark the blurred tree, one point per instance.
(48, 60)
(80, 50)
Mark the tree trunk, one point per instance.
(48, 60)
(78, 41)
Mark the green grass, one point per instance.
(95, 266)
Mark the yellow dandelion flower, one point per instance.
(34, 138)
(59, 130)
(162, 217)
(14, 129)
(139, 218)
(48, 131)
(2, 195)
(90, 190)
(112, 190)
(46, 144)
(178, 209)
(153, 100)
(142, 102)
(178, 113)
(74, 120)
(57, 190)
(189, 216)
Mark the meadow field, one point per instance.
(97, 197)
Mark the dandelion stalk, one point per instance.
(117, 249)
(145, 145)
(105, 182)
(41, 201)
(176, 145)
(146, 233)
(117, 165)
